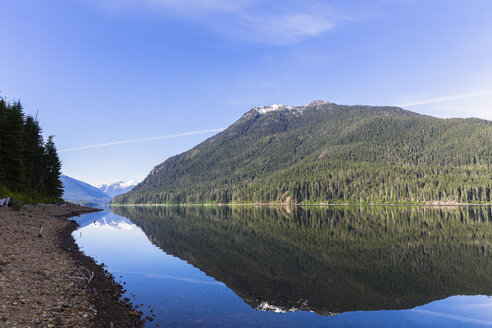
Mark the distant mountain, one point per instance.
(329, 153)
(79, 192)
(116, 188)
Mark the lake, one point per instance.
(374, 266)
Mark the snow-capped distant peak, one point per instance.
(298, 110)
(116, 188)
(272, 108)
(123, 184)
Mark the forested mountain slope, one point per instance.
(324, 152)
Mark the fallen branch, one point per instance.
(85, 276)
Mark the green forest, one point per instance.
(30, 168)
(328, 153)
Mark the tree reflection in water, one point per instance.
(330, 259)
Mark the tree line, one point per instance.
(30, 168)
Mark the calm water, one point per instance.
(311, 267)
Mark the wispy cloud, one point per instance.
(268, 22)
(446, 98)
(287, 28)
(178, 135)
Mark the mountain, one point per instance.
(329, 153)
(116, 188)
(79, 192)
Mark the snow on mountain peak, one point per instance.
(122, 183)
(318, 103)
(126, 184)
(116, 188)
(296, 109)
(272, 108)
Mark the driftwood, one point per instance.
(87, 275)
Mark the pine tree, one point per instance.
(3, 140)
(52, 184)
(12, 147)
(33, 153)
(28, 167)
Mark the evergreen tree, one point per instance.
(52, 184)
(12, 147)
(3, 140)
(29, 169)
(33, 153)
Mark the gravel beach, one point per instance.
(45, 281)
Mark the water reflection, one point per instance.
(328, 260)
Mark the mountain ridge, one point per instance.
(324, 152)
(80, 192)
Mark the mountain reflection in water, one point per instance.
(330, 259)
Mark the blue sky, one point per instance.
(105, 71)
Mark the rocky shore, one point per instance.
(46, 281)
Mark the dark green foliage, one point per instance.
(33, 153)
(337, 258)
(29, 169)
(52, 184)
(12, 147)
(329, 153)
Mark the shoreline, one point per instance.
(47, 281)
